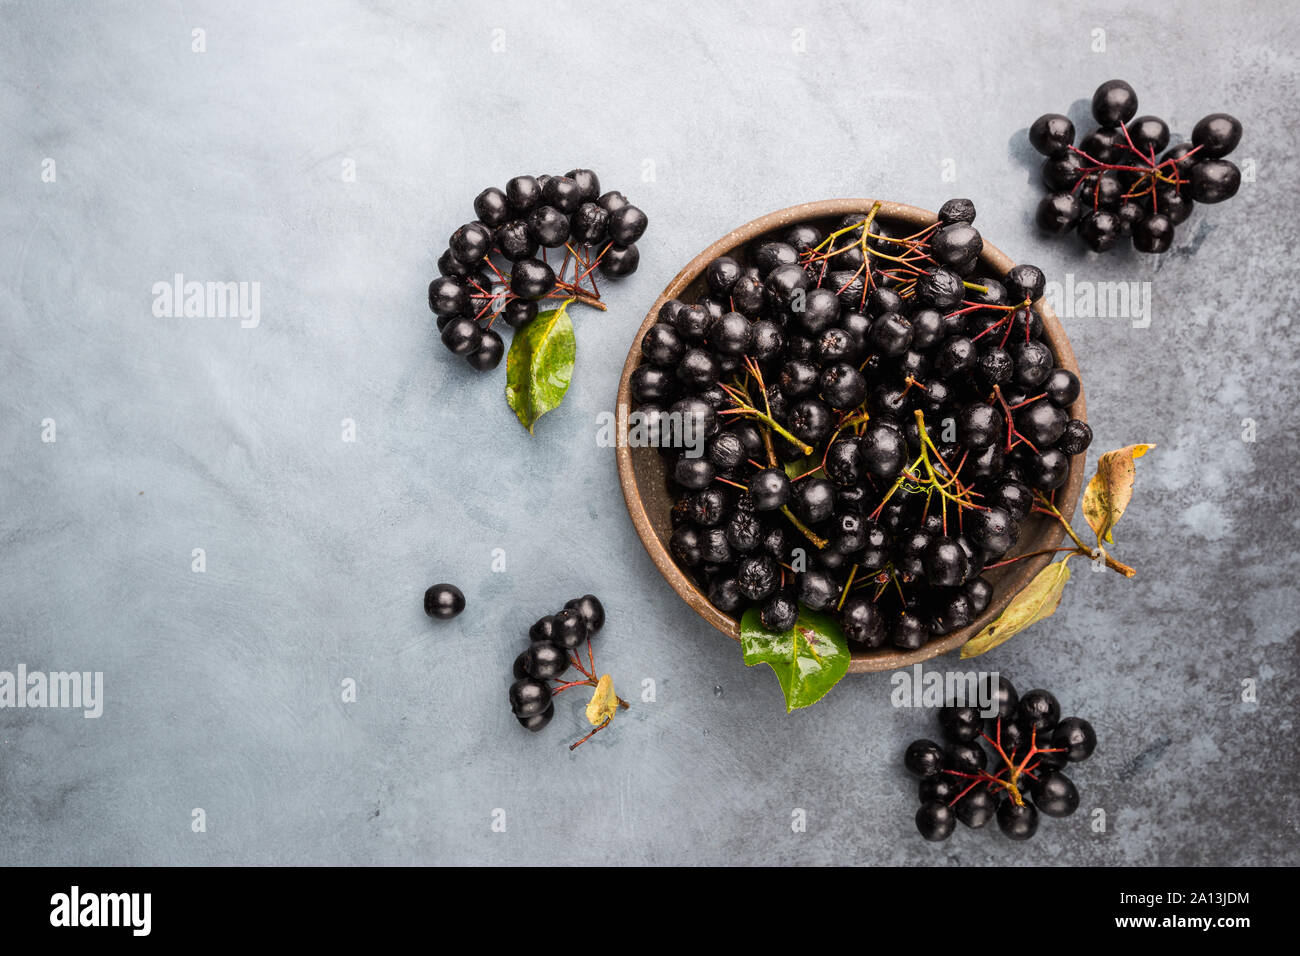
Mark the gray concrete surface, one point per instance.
(223, 689)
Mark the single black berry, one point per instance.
(627, 224)
(979, 592)
(489, 352)
(1058, 213)
(470, 242)
(536, 722)
(544, 660)
(589, 223)
(519, 312)
(1149, 134)
(563, 194)
(462, 335)
(1114, 103)
(1040, 710)
(529, 696)
(1155, 233)
(957, 210)
(961, 723)
(862, 622)
(570, 628)
(1101, 230)
(1054, 794)
(443, 601)
(1017, 821)
(908, 632)
(1052, 134)
(1076, 437)
(491, 206)
(531, 279)
(1214, 181)
(591, 610)
(935, 821)
(549, 226)
(924, 758)
(618, 261)
(448, 296)
(977, 808)
(588, 183)
(1060, 173)
(757, 576)
(523, 193)
(1076, 736)
(516, 241)
(816, 589)
(779, 613)
(1217, 135)
(1025, 283)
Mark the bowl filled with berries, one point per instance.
(853, 416)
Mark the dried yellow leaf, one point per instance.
(1038, 600)
(603, 703)
(1111, 488)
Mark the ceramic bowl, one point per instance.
(642, 473)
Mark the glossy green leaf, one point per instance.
(808, 660)
(539, 365)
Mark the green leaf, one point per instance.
(804, 466)
(1039, 599)
(1111, 489)
(540, 365)
(809, 659)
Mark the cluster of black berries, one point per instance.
(990, 766)
(496, 266)
(553, 639)
(1112, 185)
(863, 404)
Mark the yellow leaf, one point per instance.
(1111, 488)
(604, 703)
(1038, 600)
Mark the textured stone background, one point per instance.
(223, 688)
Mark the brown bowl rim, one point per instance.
(1016, 579)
